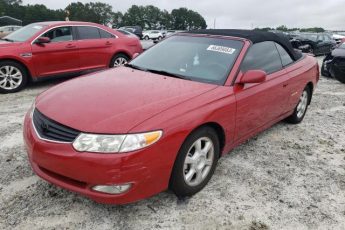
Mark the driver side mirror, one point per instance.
(42, 40)
(253, 76)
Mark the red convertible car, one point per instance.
(165, 119)
(46, 49)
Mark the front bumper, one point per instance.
(148, 170)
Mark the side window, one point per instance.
(285, 56)
(105, 34)
(88, 32)
(262, 56)
(59, 34)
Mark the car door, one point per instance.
(322, 44)
(261, 103)
(95, 47)
(59, 56)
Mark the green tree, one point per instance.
(116, 19)
(282, 28)
(135, 15)
(184, 19)
(152, 17)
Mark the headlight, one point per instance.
(115, 143)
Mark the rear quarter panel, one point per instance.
(304, 71)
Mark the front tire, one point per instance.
(301, 108)
(13, 77)
(195, 162)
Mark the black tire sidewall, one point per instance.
(24, 76)
(177, 183)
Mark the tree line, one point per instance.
(286, 29)
(148, 17)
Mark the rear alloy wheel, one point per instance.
(119, 60)
(301, 107)
(13, 77)
(146, 38)
(195, 163)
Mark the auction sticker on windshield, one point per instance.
(221, 49)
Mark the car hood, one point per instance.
(338, 52)
(5, 44)
(116, 100)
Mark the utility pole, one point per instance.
(214, 23)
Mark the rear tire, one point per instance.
(195, 162)
(119, 60)
(13, 77)
(146, 38)
(301, 108)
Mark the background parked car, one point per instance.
(316, 43)
(6, 30)
(338, 38)
(48, 49)
(153, 34)
(334, 64)
(137, 30)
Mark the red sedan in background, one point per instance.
(164, 120)
(47, 49)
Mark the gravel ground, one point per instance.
(288, 177)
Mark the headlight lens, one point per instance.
(115, 143)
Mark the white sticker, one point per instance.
(221, 49)
(37, 27)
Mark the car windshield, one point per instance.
(24, 33)
(202, 59)
(312, 37)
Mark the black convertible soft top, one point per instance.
(254, 36)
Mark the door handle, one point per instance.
(108, 43)
(284, 85)
(69, 46)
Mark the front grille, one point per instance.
(52, 130)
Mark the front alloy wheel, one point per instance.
(12, 77)
(198, 161)
(195, 162)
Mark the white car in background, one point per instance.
(153, 34)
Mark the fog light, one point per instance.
(112, 189)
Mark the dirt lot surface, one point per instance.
(288, 177)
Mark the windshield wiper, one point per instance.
(135, 67)
(166, 73)
(6, 39)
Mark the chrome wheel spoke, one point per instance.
(190, 174)
(189, 160)
(208, 162)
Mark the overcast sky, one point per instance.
(329, 14)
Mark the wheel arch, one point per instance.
(219, 130)
(20, 63)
